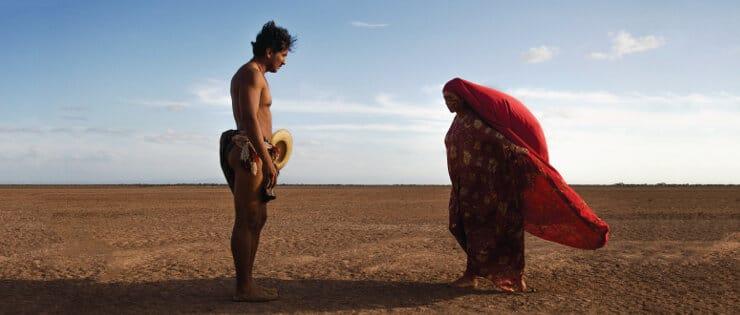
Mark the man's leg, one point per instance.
(250, 217)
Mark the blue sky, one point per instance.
(137, 91)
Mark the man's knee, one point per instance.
(251, 218)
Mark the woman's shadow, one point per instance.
(213, 295)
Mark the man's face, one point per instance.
(275, 60)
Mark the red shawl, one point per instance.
(552, 209)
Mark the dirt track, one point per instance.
(348, 249)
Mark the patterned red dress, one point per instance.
(503, 184)
(488, 175)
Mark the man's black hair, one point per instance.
(272, 36)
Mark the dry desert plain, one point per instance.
(164, 249)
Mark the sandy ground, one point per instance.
(353, 249)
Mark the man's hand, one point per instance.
(270, 174)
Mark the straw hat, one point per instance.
(283, 142)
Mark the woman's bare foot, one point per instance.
(519, 287)
(466, 281)
(256, 293)
(523, 288)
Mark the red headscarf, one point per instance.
(552, 210)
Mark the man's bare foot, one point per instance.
(466, 281)
(256, 294)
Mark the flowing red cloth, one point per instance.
(552, 210)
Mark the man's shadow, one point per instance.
(214, 295)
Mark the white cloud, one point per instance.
(74, 113)
(423, 128)
(385, 107)
(432, 89)
(213, 92)
(624, 43)
(539, 54)
(76, 109)
(20, 130)
(634, 110)
(173, 106)
(74, 117)
(368, 25)
(594, 137)
(559, 95)
(48, 155)
(64, 130)
(105, 131)
(608, 137)
(666, 100)
(170, 136)
(641, 128)
(734, 51)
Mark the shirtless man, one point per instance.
(247, 157)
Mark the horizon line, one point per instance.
(355, 185)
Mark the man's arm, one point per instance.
(249, 104)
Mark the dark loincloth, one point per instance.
(248, 157)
